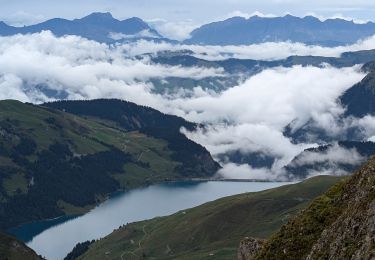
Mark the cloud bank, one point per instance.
(263, 51)
(249, 118)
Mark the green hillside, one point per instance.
(212, 230)
(337, 225)
(54, 163)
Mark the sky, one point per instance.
(176, 19)
(22, 12)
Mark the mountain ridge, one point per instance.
(308, 30)
(95, 26)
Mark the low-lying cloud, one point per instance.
(81, 68)
(249, 118)
(263, 51)
(334, 155)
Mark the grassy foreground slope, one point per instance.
(54, 163)
(11, 249)
(210, 230)
(340, 224)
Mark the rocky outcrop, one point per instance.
(249, 247)
(352, 235)
(338, 225)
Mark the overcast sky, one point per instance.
(21, 12)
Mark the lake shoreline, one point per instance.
(13, 230)
(136, 205)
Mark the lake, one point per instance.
(55, 238)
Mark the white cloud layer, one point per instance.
(177, 30)
(335, 155)
(263, 51)
(250, 117)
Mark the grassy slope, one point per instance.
(11, 249)
(85, 137)
(150, 157)
(213, 228)
(335, 226)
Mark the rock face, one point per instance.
(249, 247)
(338, 225)
(352, 235)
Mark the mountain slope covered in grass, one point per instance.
(193, 159)
(212, 230)
(53, 163)
(337, 225)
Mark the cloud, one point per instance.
(81, 68)
(334, 155)
(338, 16)
(121, 36)
(263, 51)
(244, 171)
(334, 161)
(175, 30)
(245, 15)
(21, 18)
(249, 118)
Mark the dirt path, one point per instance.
(139, 245)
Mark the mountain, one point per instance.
(238, 69)
(101, 27)
(249, 66)
(337, 225)
(12, 249)
(333, 159)
(359, 100)
(210, 231)
(193, 159)
(54, 163)
(255, 30)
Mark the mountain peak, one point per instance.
(311, 18)
(3, 24)
(98, 16)
(291, 17)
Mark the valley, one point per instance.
(189, 130)
(54, 163)
(215, 228)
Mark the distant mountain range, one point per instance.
(309, 30)
(103, 27)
